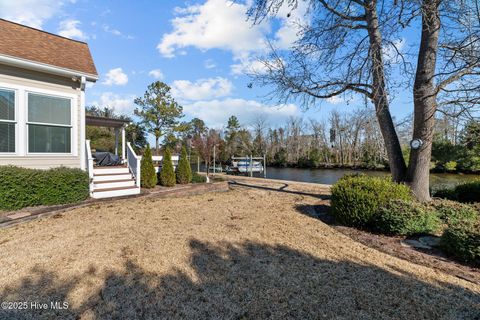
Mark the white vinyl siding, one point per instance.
(49, 124)
(7, 121)
(23, 82)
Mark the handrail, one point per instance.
(133, 162)
(89, 166)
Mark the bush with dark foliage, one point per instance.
(148, 177)
(356, 198)
(462, 240)
(400, 217)
(184, 171)
(22, 187)
(167, 174)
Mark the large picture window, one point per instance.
(49, 124)
(7, 121)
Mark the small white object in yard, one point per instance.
(208, 180)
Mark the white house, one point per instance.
(43, 78)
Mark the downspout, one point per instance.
(83, 157)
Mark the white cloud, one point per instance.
(121, 103)
(156, 74)
(116, 77)
(115, 32)
(392, 50)
(209, 64)
(215, 24)
(290, 24)
(32, 13)
(215, 113)
(69, 28)
(245, 66)
(201, 89)
(335, 100)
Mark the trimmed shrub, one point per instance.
(22, 187)
(446, 193)
(451, 212)
(148, 176)
(167, 174)
(400, 217)
(468, 192)
(462, 241)
(184, 171)
(197, 178)
(355, 199)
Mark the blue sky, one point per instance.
(199, 48)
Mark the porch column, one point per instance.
(123, 143)
(116, 141)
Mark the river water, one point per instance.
(330, 176)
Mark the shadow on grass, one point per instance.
(246, 281)
(280, 189)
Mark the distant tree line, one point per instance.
(348, 140)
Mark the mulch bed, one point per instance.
(433, 258)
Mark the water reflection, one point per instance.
(330, 176)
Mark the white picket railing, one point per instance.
(134, 163)
(89, 163)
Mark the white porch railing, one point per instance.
(133, 162)
(89, 164)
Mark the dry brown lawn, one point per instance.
(244, 254)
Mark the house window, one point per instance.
(49, 124)
(7, 121)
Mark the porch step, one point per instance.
(111, 176)
(110, 170)
(113, 184)
(115, 192)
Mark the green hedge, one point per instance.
(197, 178)
(355, 199)
(400, 217)
(462, 240)
(21, 187)
(452, 212)
(466, 192)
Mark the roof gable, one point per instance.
(35, 45)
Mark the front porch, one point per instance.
(120, 179)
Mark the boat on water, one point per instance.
(217, 169)
(243, 166)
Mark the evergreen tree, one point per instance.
(167, 175)
(184, 171)
(148, 177)
(158, 111)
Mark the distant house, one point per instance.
(43, 78)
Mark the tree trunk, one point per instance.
(424, 98)
(157, 146)
(392, 144)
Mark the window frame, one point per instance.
(14, 121)
(71, 126)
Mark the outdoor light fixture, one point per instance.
(416, 144)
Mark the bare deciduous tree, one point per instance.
(351, 47)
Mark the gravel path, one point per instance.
(245, 254)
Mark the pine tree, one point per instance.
(184, 171)
(167, 175)
(148, 177)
